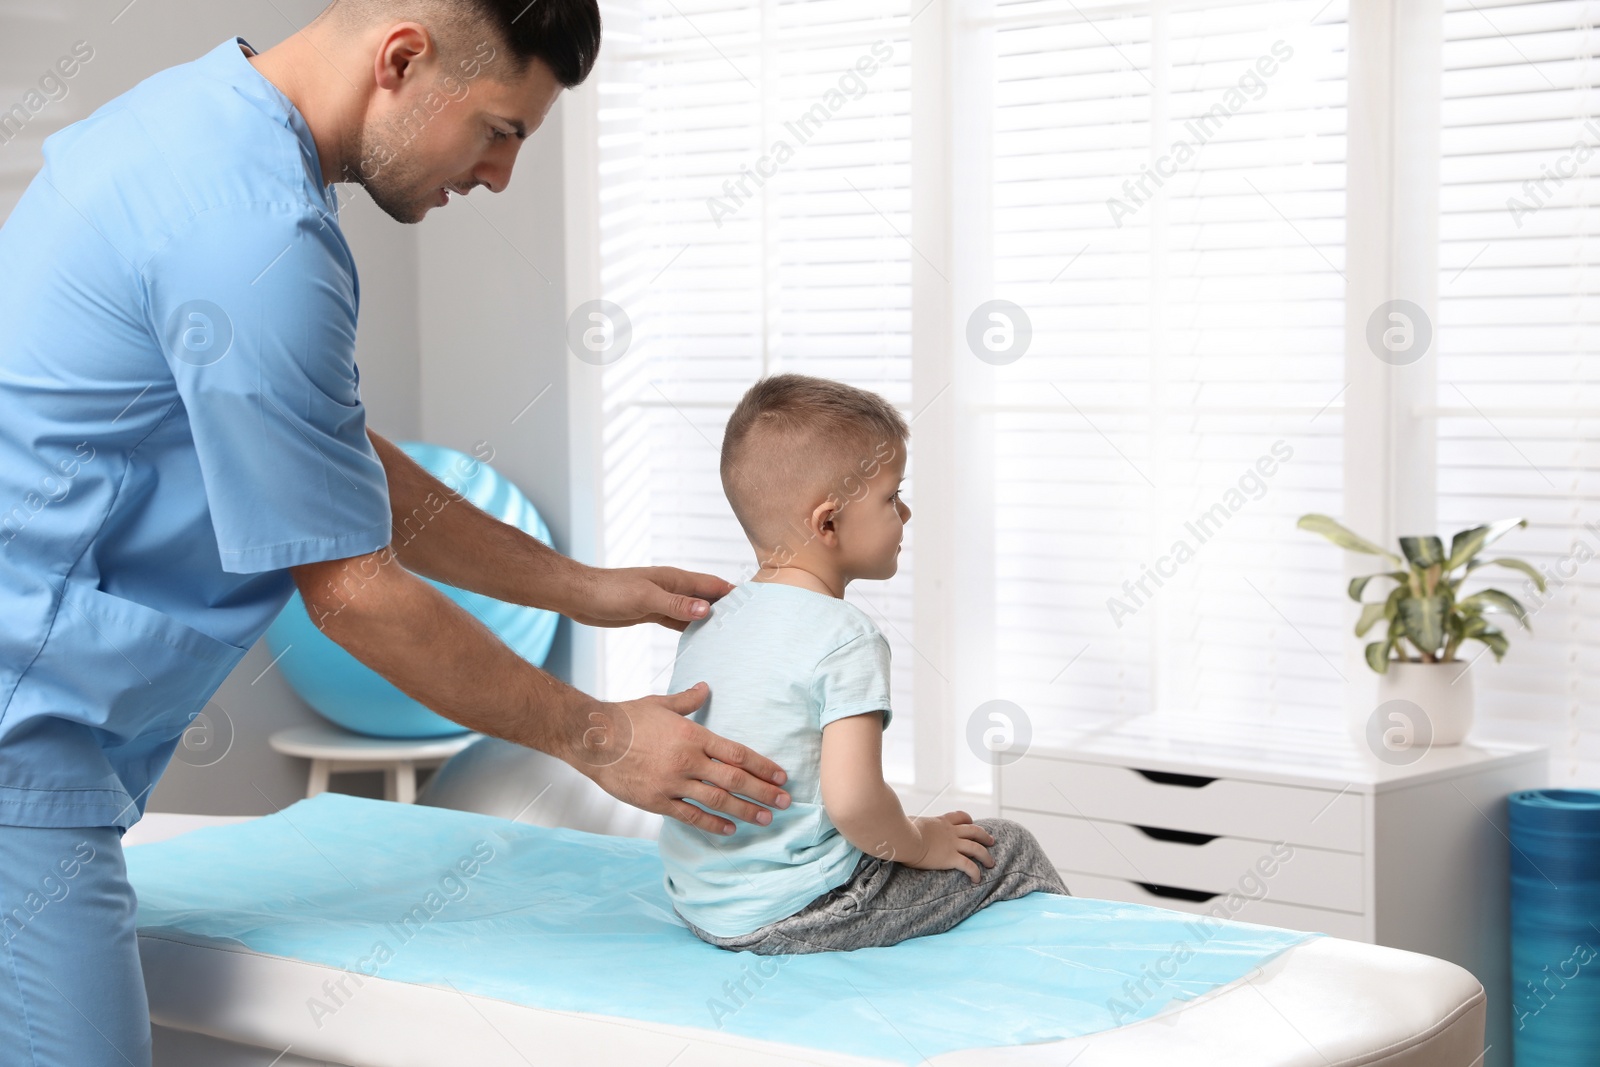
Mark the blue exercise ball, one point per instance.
(346, 691)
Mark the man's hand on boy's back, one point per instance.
(645, 752)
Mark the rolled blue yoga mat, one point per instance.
(1555, 926)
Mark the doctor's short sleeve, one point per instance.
(254, 308)
(852, 679)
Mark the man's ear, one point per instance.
(402, 46)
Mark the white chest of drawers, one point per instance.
(1268, 825)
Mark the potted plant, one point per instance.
(1429, 620)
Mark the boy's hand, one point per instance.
(952, 842)
(645, 753)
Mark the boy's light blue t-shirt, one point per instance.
(782, 662)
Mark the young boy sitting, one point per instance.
(813, 469)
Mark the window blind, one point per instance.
(1168, 211)
(755, 205)
(1518, 388)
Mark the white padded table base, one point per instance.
(1324, 1003)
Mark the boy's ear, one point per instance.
(823, 522)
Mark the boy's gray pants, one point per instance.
(884, 903)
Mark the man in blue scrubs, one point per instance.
(182, 443)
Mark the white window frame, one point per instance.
(1391, 252)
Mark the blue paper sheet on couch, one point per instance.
(573, 921)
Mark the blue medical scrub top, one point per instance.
(180, 421)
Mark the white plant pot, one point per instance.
(1420, 705)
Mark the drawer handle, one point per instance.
(1173, 892)
(1188, 781)
(1181, 837)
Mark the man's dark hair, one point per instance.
(562, 34)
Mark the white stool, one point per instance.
(331, 748)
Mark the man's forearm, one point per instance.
(438, 534)
(440, 655)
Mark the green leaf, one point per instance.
(1514, 564)
(1497, 643)
(1466, 544)
(1453, 639)
(1423, 618)
(1495, 600)
(1397, 622)
(1342, 537)
(1466, 625)
(1423, 552)
(1469, 543)
(1370, 614)
(1378, 656)
(1359, 585)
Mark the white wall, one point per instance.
(455, 324)
(491, 320)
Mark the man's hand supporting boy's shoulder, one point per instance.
(868, 813)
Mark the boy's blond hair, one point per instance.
(795, 440)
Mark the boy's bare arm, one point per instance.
(868, 813)
(855, 796)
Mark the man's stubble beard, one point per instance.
(394, 185)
